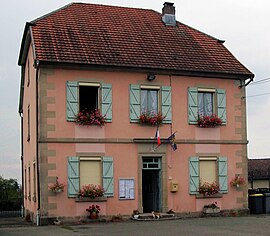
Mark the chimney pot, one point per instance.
(168, 14)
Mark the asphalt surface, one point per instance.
(218, 226)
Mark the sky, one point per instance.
(243, 24)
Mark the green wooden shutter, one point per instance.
(192, 105)
(72, 100)
(107, 176)
(223, 174)
(193, 175)
(166, 104)
(106, 101)
(221, 105)
(135, 102)
(73, 176)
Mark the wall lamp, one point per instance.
(151, 77)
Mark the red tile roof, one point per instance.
(259, 168)
(119, 36)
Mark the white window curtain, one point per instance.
(205, 104)
(149, 101)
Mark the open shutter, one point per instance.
(192, 105)
(223, 174)
(221, 105)
(106, 101)
(107, 176)
(166, 104)
(72, 101)
(73, 176)
(193, 175)
(135, 102)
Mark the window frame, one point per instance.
(212, 158)
(214, 99)
(150, 88)
(89, 159)
(89, 84)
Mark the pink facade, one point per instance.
(60, 139)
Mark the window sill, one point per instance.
(217, 195)
(88, 199)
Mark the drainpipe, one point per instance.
(37, 147)
(22, 191)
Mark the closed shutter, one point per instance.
(135, 102)
(192, 105)
(221, 105)
(107, 176)
(106, 101)
(72, 101)
(193, 175)
(223, 174)
(166, 104)
(73, 176)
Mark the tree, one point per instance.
(10, 194)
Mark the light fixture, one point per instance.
(151, 77)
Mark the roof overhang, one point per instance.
(161, 71)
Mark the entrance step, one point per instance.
(149, 216)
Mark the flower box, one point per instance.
(87, 118)
(209, 121)
(208, 189)
(151, 118)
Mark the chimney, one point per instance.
(168, 14)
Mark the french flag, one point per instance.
(157, 137)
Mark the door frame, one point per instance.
(158, 179)
(163, 177)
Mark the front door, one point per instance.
(151, 184)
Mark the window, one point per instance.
(28, 123)
(25, 183)
(28, 73)
(208, 169)
(150, 99)
(34, 181)
(206, 102)
(29, 183)
(88, 96)
(90, 170)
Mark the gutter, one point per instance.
(22, 163)
(37, 147)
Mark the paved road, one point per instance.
(217, 226)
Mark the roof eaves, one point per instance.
(171, 71)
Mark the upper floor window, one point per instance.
(149, 100)
(90, 96)
(205, 102)
(28, 73)
(28, 123)
(144, 99)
